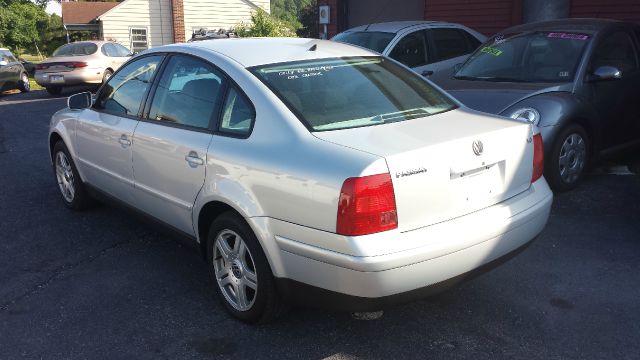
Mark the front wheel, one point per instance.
(24, 85)
(240, 270)
(70, 185)
(569, 158)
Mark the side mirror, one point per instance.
(79, 101)
(4, 63)
(604, 73)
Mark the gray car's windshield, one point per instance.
(374, 40)
(526, 57)
(76, 49)
(343, 93)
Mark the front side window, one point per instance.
(411, 50)
(373, 40)
(526, 57)
(121, 50)
(332, 94)
(139, 40)
(76, 49)
(449, 43)
(615, 50)
(123, 93)
(109, 50)
(189, 93)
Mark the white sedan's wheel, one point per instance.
(69, 182)
(64, 175)
(235, 270)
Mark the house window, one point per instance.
(138, 38)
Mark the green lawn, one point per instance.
(34, 85)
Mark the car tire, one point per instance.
(70, 185)
(569, 158)
(54, 90)
(106, 76)
(240, 271)
(24, 85)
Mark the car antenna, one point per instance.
(313, 47)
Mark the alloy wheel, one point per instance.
(572, 158)
(25, 81)
(64, 175)
(235, 270)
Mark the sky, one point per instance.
(54, 8)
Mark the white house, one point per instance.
(141, 24)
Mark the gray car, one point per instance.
(12, 73)
(577, 79)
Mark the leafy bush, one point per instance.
(264, 25)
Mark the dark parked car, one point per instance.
(12, 73)
(577, 79)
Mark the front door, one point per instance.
(104, 135)
(170, 151)
(616, 100)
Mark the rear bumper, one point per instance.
(74, 77)
(449, 252)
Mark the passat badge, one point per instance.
(478, 148)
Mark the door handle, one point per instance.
(427, 73)
(193, 159)
(124, 141)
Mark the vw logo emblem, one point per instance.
(477, 147)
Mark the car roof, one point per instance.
(261, 51)
(395, 26)
(586, 25)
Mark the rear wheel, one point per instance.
(54, 90)
(240, 270)
(24, 85)
(70, 185)
(569, 158)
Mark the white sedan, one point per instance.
(307, 171)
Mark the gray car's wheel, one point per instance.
(54, 90)
(24, 85)
(70, 185)
(240, 270)
(569, 158)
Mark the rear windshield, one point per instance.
(374, 40)
(332, 94)
(76, 49)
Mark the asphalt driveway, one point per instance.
(104, 285)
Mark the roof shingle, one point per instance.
(84, 12)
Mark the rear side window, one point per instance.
(123, 93)
(238, 114)
(333, 94)
(448, 44)
(109, 50)
(188, 93)
(411, 50)
(76, 49)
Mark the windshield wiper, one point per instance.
(465, 77)
(501, 79)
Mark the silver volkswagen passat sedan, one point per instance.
(307, 171)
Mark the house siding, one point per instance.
(628, 10)
(218, 14)
(154, 15)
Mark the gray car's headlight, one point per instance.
(530, 115)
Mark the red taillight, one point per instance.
(76, 64)
(367, 205)
(538, 158)
(42, 66)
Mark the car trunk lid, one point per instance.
(447, 165)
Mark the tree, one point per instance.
(301, 15)
(264, 25)
(21, 24)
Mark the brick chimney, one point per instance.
(177, 15)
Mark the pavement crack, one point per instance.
(57, 273)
